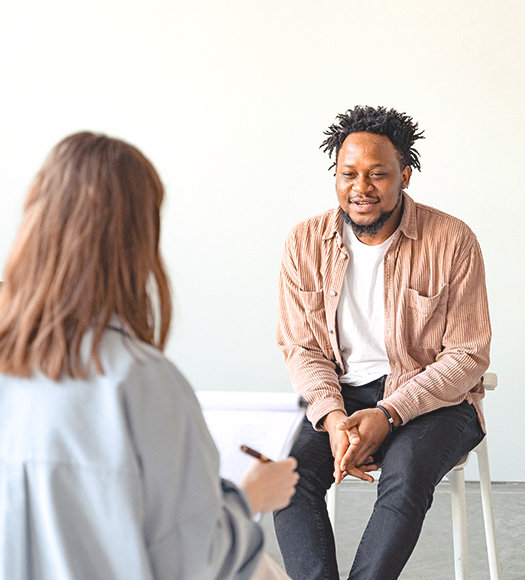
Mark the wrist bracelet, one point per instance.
(388, 416)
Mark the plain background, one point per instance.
(230, 98)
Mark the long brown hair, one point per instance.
(87, 249)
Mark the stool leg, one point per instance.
(459, 523)
(331, 506)
(488, 509)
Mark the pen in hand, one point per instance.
(249, 451)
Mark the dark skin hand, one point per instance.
(342, 441)
(355, 439)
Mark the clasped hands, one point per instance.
(354, 440)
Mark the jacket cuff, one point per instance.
(316, 412)
(405, 411)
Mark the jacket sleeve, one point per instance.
(302, 335)
(457, 372)
(197, 526)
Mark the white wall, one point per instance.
(230, 99)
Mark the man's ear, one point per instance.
(405, 177)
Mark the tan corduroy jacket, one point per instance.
(437, 328)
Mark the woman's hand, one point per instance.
(270, 486)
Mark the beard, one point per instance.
(375, 227)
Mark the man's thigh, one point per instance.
(429, 446)
(314, 455)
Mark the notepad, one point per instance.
(265, 421)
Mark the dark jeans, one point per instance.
(414, 459)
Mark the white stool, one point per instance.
(456, 476)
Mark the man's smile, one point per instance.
(363, 205)
(364, 202)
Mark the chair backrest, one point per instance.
(490, 381)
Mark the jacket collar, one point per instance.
(408, 224)
(334, 227)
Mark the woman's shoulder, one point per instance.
(123, 355)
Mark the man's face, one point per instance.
(369, 179)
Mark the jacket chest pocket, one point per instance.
(315, 312)
(426, 319)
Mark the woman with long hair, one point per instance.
(107, 470)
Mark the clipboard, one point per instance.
(265, 421)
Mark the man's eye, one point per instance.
(375, 174)
(348, 175)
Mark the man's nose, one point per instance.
(361, 184)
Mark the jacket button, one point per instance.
(333, 293)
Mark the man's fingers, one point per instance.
(359, 474)
(348, 458)
(351, 431)
(354, 457)
(353, 436)
(339, 444)
(348, 423)
(369, 467)
(338, 474)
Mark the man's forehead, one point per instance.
(378, 149)
(348, 163)
(364, 138)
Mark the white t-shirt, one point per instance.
(361, 312)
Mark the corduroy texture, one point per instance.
(437, 327)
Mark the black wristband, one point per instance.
(388, 416)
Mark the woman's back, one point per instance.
(112, 476)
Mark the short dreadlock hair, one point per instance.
(398, 127)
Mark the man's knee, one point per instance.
(407, 492)
(316, 481)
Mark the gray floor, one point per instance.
(433, 556)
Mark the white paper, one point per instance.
(266, 422)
